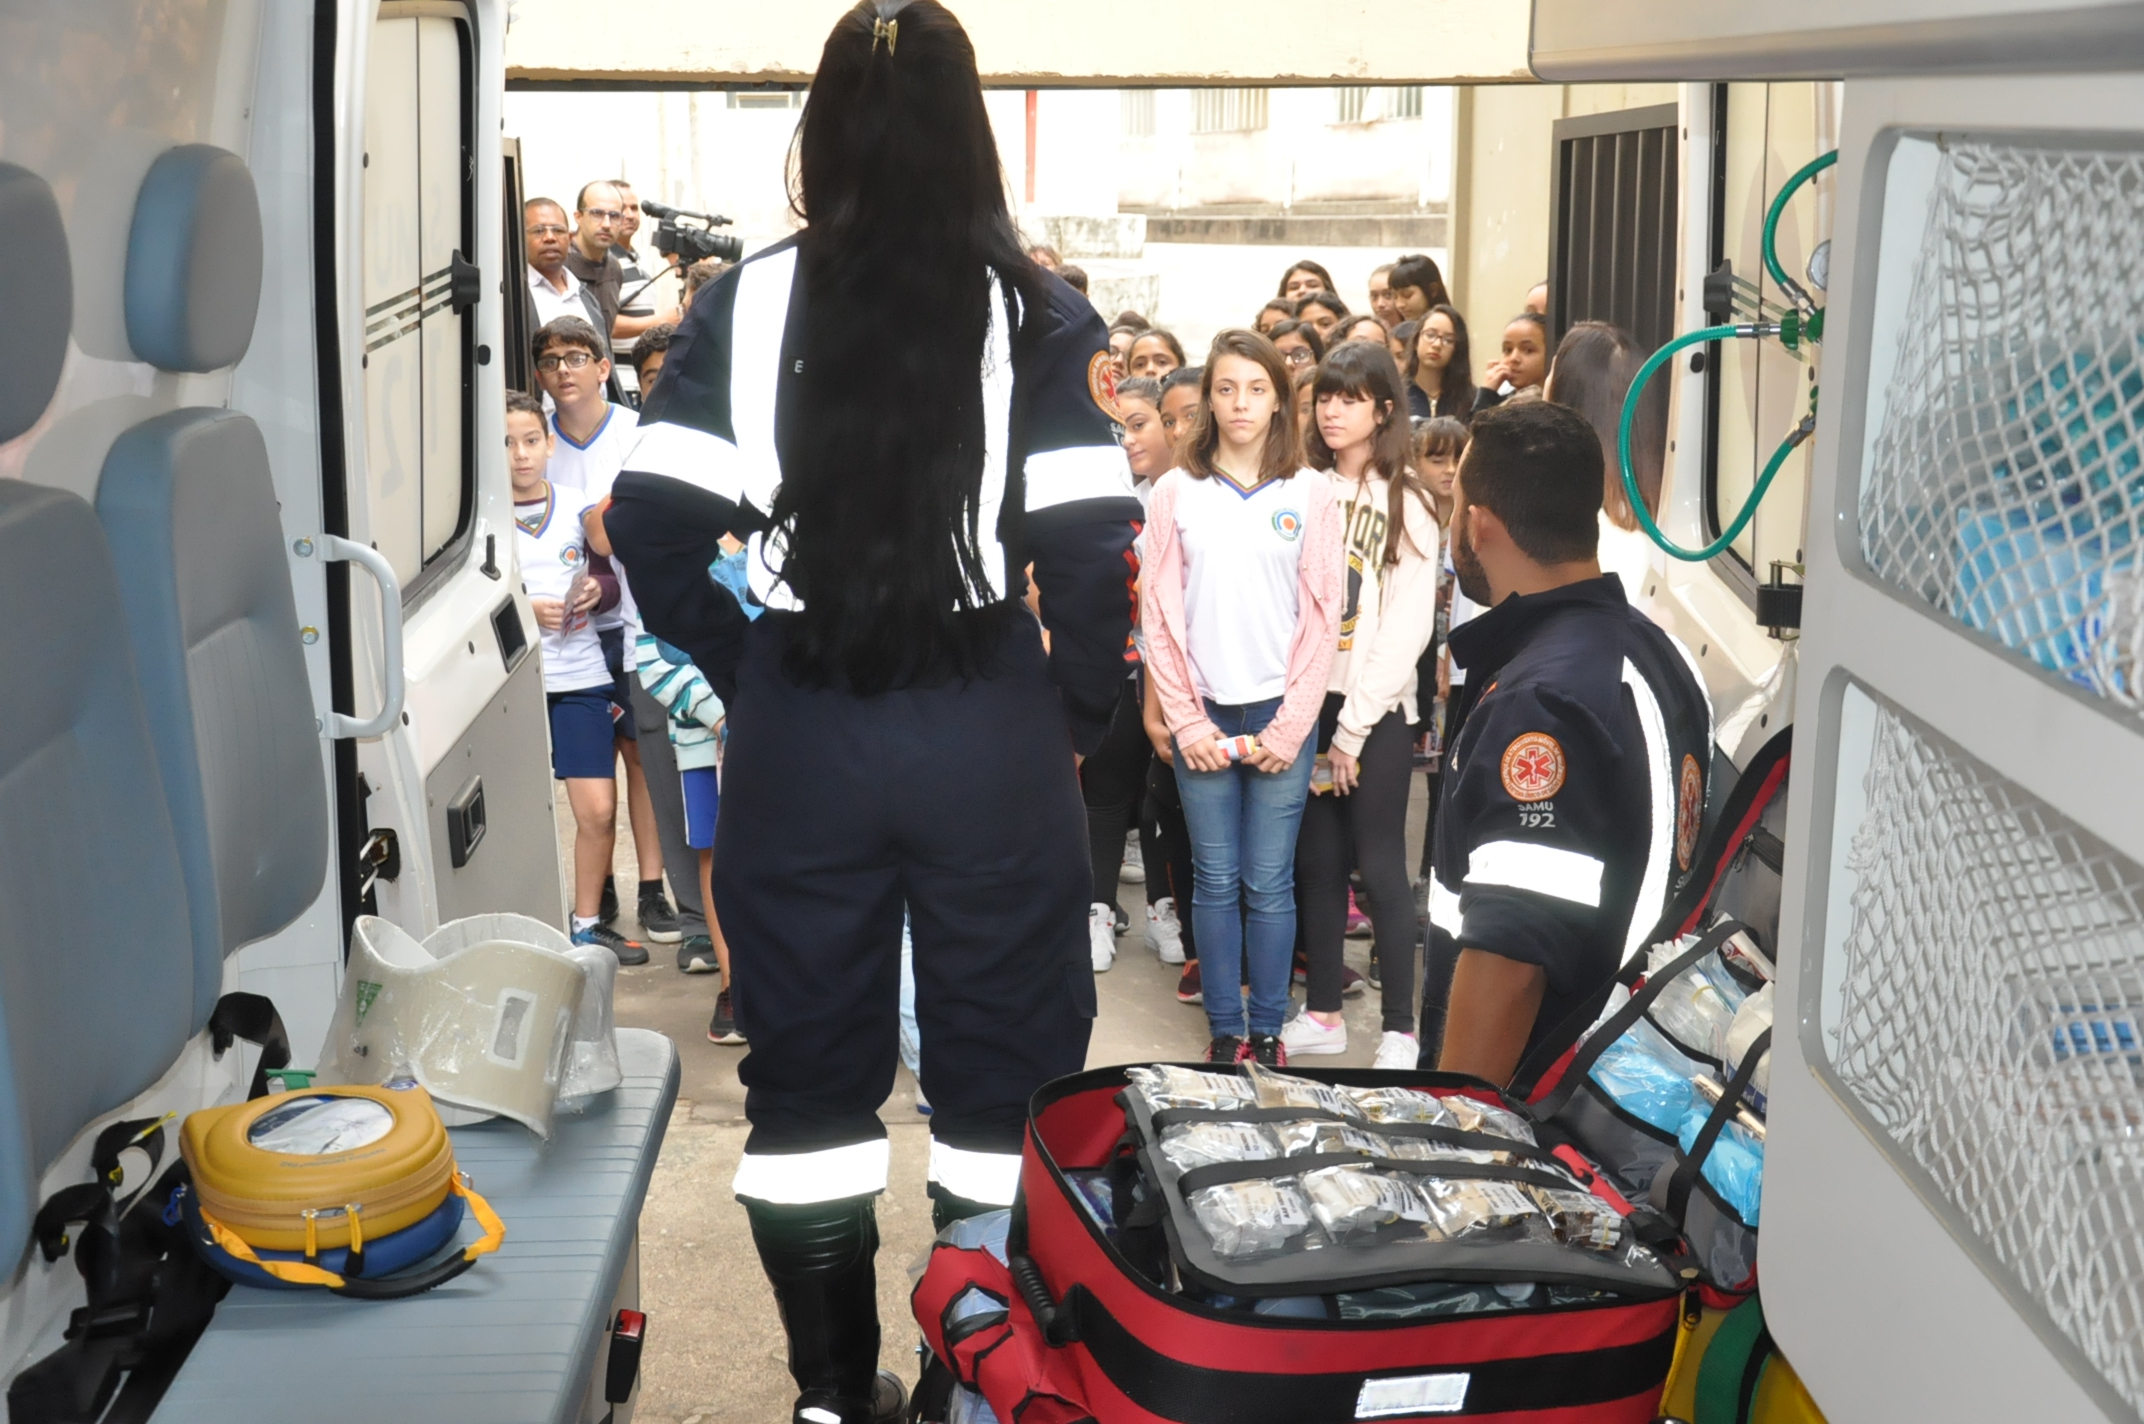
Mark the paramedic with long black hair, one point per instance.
(899, 412)
(1575, 784)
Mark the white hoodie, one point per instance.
(1389, 612)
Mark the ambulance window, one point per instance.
(1756, 391)
(419, 198)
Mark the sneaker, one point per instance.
(1121, 920)
(1375, 974)
(1188, 988)
(607, 907)
(722, 1028)
(1102, 936)
(696, 955)
(657, 920)
(1163, 934)
(1352, 985)
(1134, 871)
(1266, 1049)
(629, 951)
(1398, 1050)
(1358, 924)
(1226, 1048)
(1304, 1036)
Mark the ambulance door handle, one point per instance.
(338, 725)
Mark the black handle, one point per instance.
(402, 1287)
(1058, 1327)
(465, 283)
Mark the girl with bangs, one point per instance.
(1357, 813)
(1242, 589)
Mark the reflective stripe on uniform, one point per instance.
(991, 1178)
(997, 446)
(679, 452)
(1444, 908)
(1545, 870)
(1653, 889)
(1080, 472)
(801, 1178)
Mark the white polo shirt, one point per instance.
(547, 535)
(1242, 552)
(551, 304)
(593, 468)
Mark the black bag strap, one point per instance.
(253, 1018)
(1220, 1173)
(1633, 1008)
(1693, 1162)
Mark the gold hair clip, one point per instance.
(887, 30)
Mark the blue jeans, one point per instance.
(1242, 825)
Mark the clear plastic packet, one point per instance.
(1414, 1149)
(1580, 1219)
(1735, 1167)
(1471, 1116)
(1399, 1105)
(1429, 1298)
(1201, 1144)
(1643, 1081)
(1315, 1135)
(1251, 1218)
(1285, 1090)
(1752, 1019)
(1350, 1200)
(1462, 1206)
(1164, 1085)
(1696, 1007)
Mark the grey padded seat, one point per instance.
(515, 1340)
(37, 293)
(96, 963)
(189, 509)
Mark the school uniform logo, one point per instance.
(570, 556)
(1533, 767)
(1689, 810)
(1288, 524)
(1102, 384)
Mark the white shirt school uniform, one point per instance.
(547, 534)
(1242, 549)
(591, 467)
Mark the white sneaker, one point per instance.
(1303, 1036)
(1134, 871)
(1164, 935)
(1398, 1050)
(1102, 936)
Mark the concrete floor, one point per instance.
(715, 1348)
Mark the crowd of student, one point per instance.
(1298, 591)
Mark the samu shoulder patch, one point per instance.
(1102, 383)
(1533, 767)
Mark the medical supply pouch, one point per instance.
(1090, 1300)
(1664, 1088)
(329, 1186)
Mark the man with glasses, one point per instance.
(639, 306)
(553, 290)
(595, 225)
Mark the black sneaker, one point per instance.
(629, 951)
(1189, 990)
(1226, 1048)
(696, 955)
(657, 920)
(722, 1028)
(1266, 1048)
(1376, 976)
(607, 907)
(1124, 919)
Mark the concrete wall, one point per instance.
(1502, 180)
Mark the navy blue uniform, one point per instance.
(1574, 789)
(957, 799)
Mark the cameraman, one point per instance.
(637, 310)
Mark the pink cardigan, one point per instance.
(1310, 655)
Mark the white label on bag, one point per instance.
(1412, 1394)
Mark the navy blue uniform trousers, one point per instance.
(959, 801)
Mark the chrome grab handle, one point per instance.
(338, 725)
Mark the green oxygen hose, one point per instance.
(1805, 309)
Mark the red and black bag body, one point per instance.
(1074, 1326)
(1737, 872)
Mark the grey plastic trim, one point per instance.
(337, 725)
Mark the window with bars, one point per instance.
(1613, 223)
(1138, 113)
(1351, 105)
(1227, 110)
(1361, 103)
(1404, 102)
(766, 99)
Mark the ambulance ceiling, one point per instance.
(1577, 41)
(1030, 44)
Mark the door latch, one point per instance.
(464, 283)
(379, 858)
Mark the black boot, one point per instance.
(820, 1260)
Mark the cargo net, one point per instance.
(1988, 1022)
(2007, 482)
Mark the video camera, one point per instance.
(690, 244)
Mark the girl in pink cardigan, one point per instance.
(1242, 588)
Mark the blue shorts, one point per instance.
(621, 677)
(703, 794)
(584, 733)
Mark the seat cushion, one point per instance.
(96, 963)
(189, 509)
(37, 293)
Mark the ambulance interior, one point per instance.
(269, 667)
